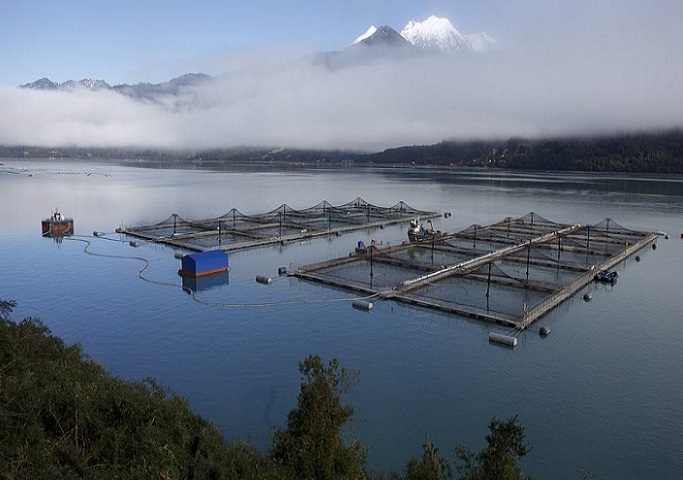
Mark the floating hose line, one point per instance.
(126, 257)
(87, 240)
(275, 304)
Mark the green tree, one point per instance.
(63, 416)
(431, 467)
(588, 475)
(312, 445)
(498, 460)
(6, 307)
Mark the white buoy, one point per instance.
(134, 243)
(504, 339)
(362, 305)
(179, 255)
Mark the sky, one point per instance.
(128, 41)
(560, 68)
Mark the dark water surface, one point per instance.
(603, 392)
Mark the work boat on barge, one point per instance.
(417, 232)
(57, 225)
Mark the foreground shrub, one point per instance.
(64, 416)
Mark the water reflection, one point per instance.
(206, 282)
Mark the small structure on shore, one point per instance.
(57, 225)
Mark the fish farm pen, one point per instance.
(511, 272)
(235, 230)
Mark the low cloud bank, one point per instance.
(599, 82)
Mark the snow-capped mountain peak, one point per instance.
(368, 33)
(87, 83)
(42, 84)
(384, 38)
(436, 34)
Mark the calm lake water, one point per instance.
(603, 392)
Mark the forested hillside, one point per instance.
(636, 153)
(642, 153)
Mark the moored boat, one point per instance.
(607, 276)
(417, 232)
(57, 225)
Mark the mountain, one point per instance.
(377, 43)
(41, 84)
(370, 31)
(383, 37)
(151, 91)
(436, 34)
(87, 83)
(146, 91)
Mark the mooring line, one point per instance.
(125, 257)
(275, 304)
(87, 240)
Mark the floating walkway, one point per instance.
(235, 230)
(512, 272)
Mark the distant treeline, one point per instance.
(641, 153)
(660, 152)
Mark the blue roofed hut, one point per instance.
(204, 263)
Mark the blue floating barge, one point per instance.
(204, 263)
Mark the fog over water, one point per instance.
(560, 69)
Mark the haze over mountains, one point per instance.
(434, 35)
(172, 86)
(146, 91)
(563, 76)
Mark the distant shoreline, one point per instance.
(642, 153)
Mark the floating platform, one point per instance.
(235, 230)
(512, 272)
